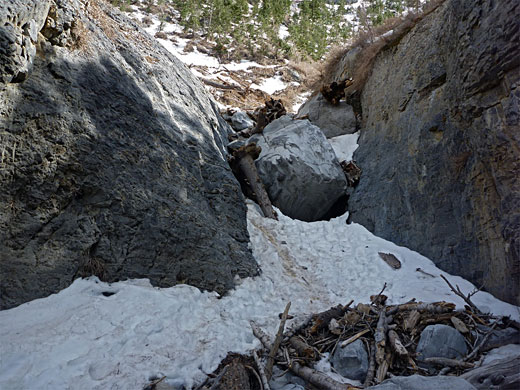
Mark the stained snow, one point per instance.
(82, 339)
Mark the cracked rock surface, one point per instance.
(112, 158)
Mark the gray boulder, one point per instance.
(333, 120)
(417, 382)
(113, 161)
(441, 341)
(299, 168)
(351, 361)
(240, 121)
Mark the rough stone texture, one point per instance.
(351, 361)
(20, 22)
(441, 341)
(333, 120)
(417, 382)
(240, 121)
(440, 143)
(299, 168)
(112, 161)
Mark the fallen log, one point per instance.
(502, 374)
(318, 379)
(219, 85)
(243, 158)
(396, 344)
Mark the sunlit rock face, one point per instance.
(112, 158)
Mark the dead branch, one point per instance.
(479, 346)
(396, 343)
(380, 337)
(243, 158)
(411, 321)
(218, 85)
(445, 362)
(318, 379)
(264, 338)
(302, 348)
(436, 307)
(466, 298)
(276, 344)
(371, 366)
(264, 381)
(354, 338)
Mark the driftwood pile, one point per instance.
(390, 334)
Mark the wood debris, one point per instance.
(352, 172)
(390, 333)
(390, 259)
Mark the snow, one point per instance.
(271, 85)
(344, 146)
(82, 339)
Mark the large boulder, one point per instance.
(333, 120)
(439, 143)
(299, 168)
(113, 159)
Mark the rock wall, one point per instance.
(112, 158)
(440, 143)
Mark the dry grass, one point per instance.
(371, 41)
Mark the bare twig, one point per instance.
(264, 381)
(264, 338)
(276, 344)
(486, 337)
(466, 298)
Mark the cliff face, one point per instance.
(112, 158)
(440, 143)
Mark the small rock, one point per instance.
(351, 361)
(240, 121)
(416, 382)
(441, 341)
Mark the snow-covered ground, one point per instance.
(82, 339)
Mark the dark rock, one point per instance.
(332, 119)
(351, 361)
(441, 341)
(240, 121)
(113, 161)
(417, 382)
(439, 143)
(299, 168)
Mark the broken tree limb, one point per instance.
(380, 337)
(276, 344)
(303, 349)
(264, 338)
(354, 338)
(371, 366)
(436, 307)
(244, 158)
(265, 381)
(318, 379)
(479, 346)
(411, 320)
(445, 362)
(396, 344)
(501, 374)
(466, 298)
